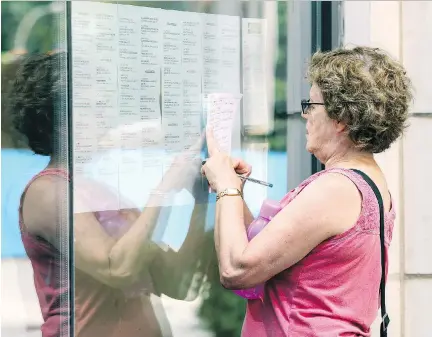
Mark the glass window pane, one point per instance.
(35, 231)
(110, 101)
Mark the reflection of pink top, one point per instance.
(100, 310)
(334, 290)
(50, 285)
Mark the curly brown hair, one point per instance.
(367, 90)
(32, 99)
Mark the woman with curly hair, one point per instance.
(321, 257)
(117, 267)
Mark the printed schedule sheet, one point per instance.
(143, 80)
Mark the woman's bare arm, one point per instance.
(172, 271)
(117, 263)
(312, 217)
(247, 215)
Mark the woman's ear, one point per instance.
(340, 126)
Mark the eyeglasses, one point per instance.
(305, 104)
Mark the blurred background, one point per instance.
(293, 31)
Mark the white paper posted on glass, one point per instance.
(221, 111)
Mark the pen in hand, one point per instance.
(256, 181)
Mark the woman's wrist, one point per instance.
(233, 182)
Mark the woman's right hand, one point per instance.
(242, 168)
(182, 173)
(184, 170)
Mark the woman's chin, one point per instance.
(309, 147)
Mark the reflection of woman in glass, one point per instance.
(108, 268)
(320, 256)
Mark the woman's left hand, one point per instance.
(220, 169)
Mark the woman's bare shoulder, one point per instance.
(334, 198)
(42, 205)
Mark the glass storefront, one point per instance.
(110, 101)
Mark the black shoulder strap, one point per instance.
(384, 316)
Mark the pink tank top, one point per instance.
(51, 286)
(100, 311)
(334, 290)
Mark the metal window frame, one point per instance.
(326, 35)
(317, 25)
